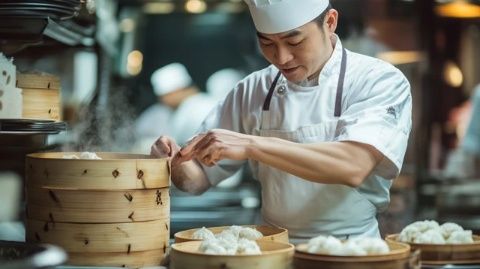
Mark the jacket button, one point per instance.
(282, 90)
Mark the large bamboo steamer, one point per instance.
(97, 206)
(399, 257)
(269, 233)
(274, 255)
(122, 259)
(93, 238)
(41, 96)
(114, 172)
(448, 253)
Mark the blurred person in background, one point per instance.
(464, 161)
(172, 85)
(324, 129)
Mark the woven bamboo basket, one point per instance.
(114, 172)
(274, 255)
(109, 212)
(446, 254)
(98, 206)
(41, 96)
(399, 257)
(269, 233)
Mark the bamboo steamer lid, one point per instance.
(446, 254)
(77, 206)
(399, 257)
(94, 238)
(130, 260)
(269, 233)
(274, 255)
(115, 171)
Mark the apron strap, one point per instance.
(266, 104)
(341, 79)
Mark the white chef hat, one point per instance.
(277, 16)
(170, 78)
(221, 82)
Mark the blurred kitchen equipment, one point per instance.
(269, 233)
(16, 255)
(113, 211)
(10, 190)
(41, 96)
(274, 255)
(10, 95)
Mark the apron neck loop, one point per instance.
(266, 104)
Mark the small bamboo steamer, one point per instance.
(115, 171)
(274, 255)
(269, 233)
(446, 254)
(399, 257)
(77, 206)
(131, 260)
(93, 238)
(41, 96)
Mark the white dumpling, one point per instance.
(373, 246)
(325, 245)
(89, 156)
(351, 248)
(234, 229)
(212, 246)
(433, 236)
(227, 235)
(408, 234)
(250, 234)
(229, 245)
(448, 228)
(460, 237)
(203, 234)
(246, 246)
(426, 225)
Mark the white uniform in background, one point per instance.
(370, 103)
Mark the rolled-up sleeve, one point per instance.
(380, 115)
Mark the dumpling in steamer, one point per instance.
(409, 234)
(373, 246)
(448, 228)
(250, 233)
(460, 237)
(430, 237)
(203, 234)
(246, 246)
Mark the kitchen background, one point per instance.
(106, 53)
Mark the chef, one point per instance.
(324, 129)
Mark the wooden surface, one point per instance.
(269, 233)
(37, 81)
(41, 104)
(446, 254)
(97, 206)
(274, 256)
(132, 260)
(94, 238)
(114, 172)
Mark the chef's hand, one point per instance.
(164, 147)
(215, 145)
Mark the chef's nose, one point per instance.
(283, 55)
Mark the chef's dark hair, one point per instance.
(320, 19)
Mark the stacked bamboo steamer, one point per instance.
(109, 212)
(41, 96)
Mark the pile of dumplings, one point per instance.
(84, 156)
(330, 245)
(231, 241)
(430, 232)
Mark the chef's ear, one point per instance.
(331, 20)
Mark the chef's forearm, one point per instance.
(344, 163)
(189, 177)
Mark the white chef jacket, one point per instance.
(376, 107)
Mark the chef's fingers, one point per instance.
(188, 148)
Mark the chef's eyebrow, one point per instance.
(286, 35)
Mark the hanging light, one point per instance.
(462, 9)
(196, 6)
(452, 74)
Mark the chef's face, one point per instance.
(301, 53)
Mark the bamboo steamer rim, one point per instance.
(57, 156)
(440, 247)
(191, 248)
(61, 189)
(399, 251)
(186, 235)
